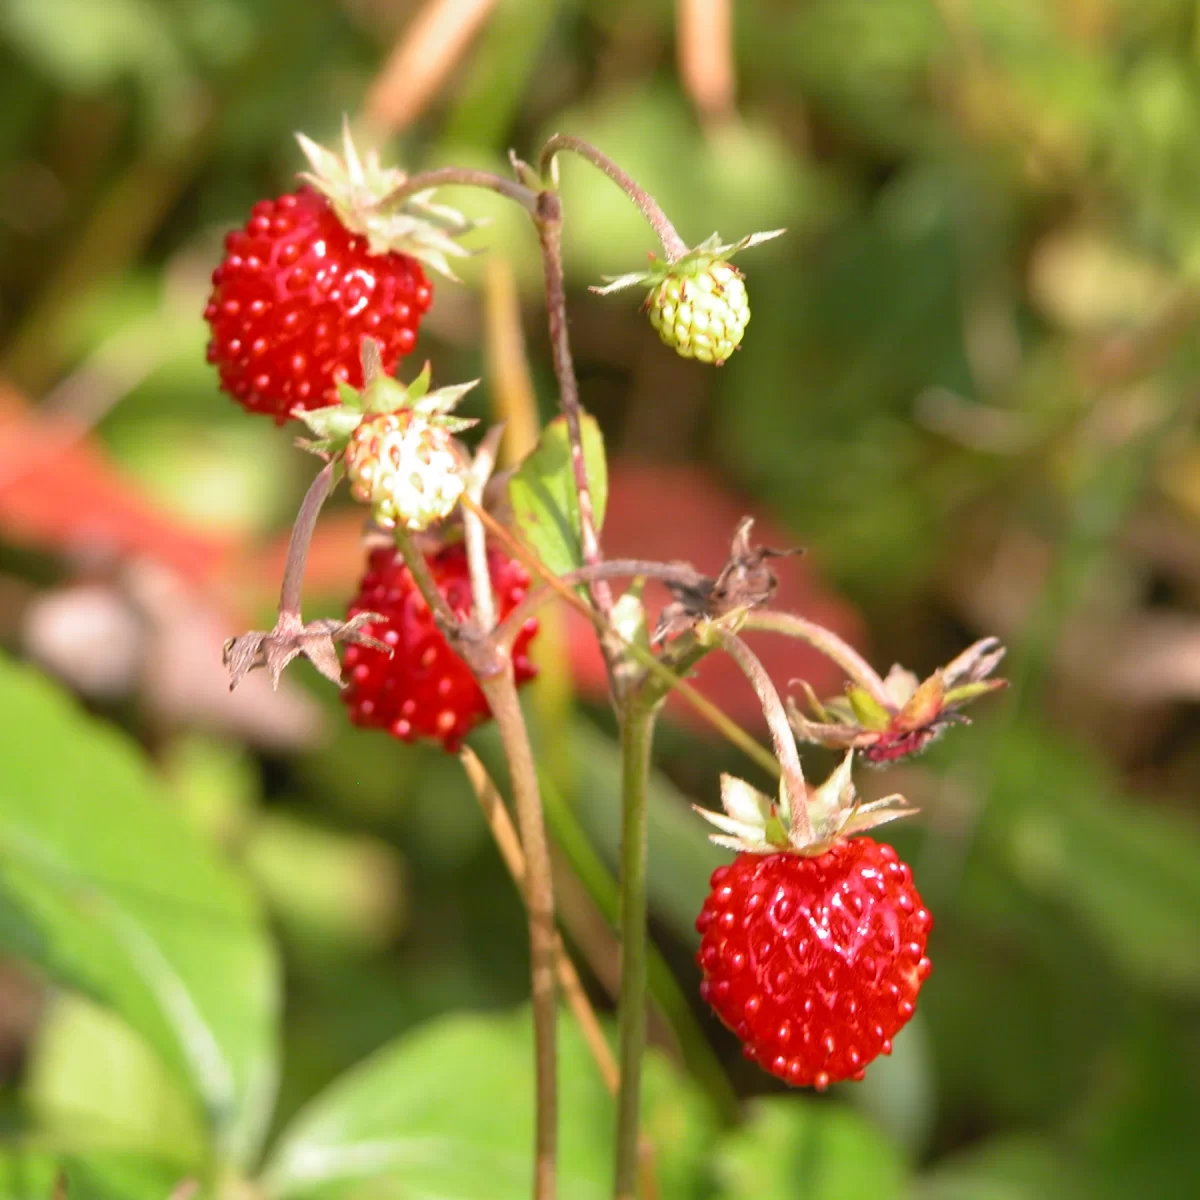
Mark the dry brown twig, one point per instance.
(430, 47)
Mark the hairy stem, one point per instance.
(637, 735)
(782, 737)
(484, 600)
(644, 658)
(302, 531)
(548, 220)
(501, 693)
(492, 668)
(509, 845)
(461, 177)
(673, 245)
(423, 578)
(614, 568)
(826, 642)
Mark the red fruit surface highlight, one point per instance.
(814, 963)
(292, 300)
(424, 690)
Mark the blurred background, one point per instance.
(969, 389)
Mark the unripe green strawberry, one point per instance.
(697, 301)
(405, 468)
(701, 314)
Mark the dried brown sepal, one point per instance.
(745, 582)
(916, 714)
(291, 638)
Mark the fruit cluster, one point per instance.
(813, 939)
(307, 284)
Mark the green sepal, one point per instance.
(972, 691)
(815, 706)
(457, 424)
(435, 404)
(333, 425)
(349, 396)
(388, 395)
(334, 421)
(775, 832)
(870, 713)
(697, 259)
(360, 191)
(754, 823)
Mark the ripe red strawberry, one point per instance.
(814, 963)
(292, 300)
(424, 690)
(316, 271)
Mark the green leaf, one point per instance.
(1013, 1167)
(447, 1111)
(105, 886)
(1124, 868)
(794, 1146)
(543, 493)
(30, 1173)
(92, 1082)
(85, 46)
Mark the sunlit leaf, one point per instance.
(543, 493)
(447, 1111)
(34, 1172)
(105, 887)
(1123, 867)
(793, 1147)
(91, 1082)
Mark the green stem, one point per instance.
(637, 736)
(666, 994)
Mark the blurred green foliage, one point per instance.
(969, 387)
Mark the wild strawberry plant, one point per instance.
(814, 937)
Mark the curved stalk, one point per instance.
(673, 245)
(548, 220)
(461, 177)
(826, 642)
(422, 577)
(782, 737)
(302, 531)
